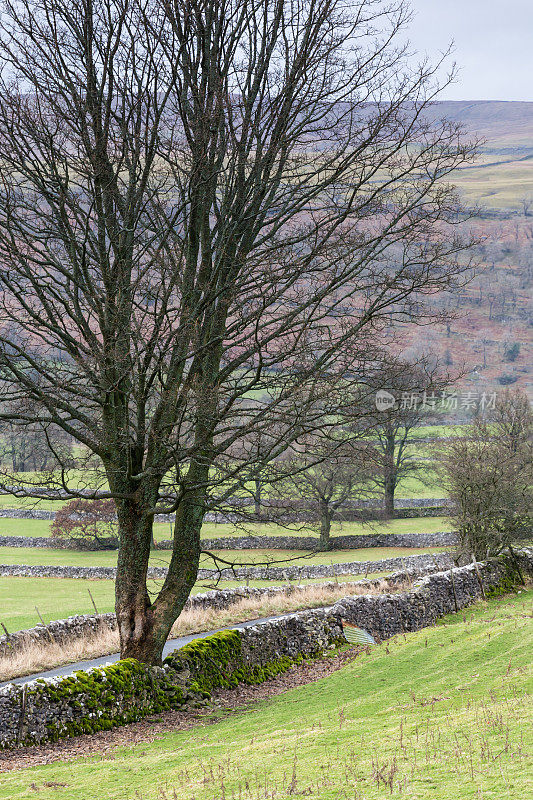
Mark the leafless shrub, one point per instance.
(488, 474)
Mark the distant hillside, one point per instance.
(502, 178)
(490, 329)
(503, 124)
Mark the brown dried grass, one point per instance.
(41, 656)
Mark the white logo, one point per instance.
(385, 400)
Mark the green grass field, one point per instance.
(211, 530)
(442, 714)
(436, 431)
(55, 598)
(8, 501)
(108, 558)
(24, 527)
(413, 525)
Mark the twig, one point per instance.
(44, 624)
(479, 577)
(92, 600)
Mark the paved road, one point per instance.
(172, 644)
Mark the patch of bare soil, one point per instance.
(223, 703)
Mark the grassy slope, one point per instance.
(210, 530)
(443, 709)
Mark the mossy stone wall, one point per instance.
(101, 698)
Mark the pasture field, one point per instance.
(439, 714)
(8, 501)
(408, 488)
(58, 598)
(496, 182)
(161, 558)
(55, 598)
(212, 530)
(12, 526)
(435, 431)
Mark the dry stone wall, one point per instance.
(105, 543)
(432, 597)
(366, 540)
(358, 542)
(267, 573)
(26, 513)
(31, 541)
(65, 631)
(126, 691)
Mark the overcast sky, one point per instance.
(493, 45)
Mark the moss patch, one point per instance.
(217, 662)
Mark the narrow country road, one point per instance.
(172, 644)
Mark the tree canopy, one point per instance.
(208, 209)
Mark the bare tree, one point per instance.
(202, 203)
(415, 390)
(322, 480)
(489, 476)
(526, 202)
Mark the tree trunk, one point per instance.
(257, 497)
(389, 476)
(325, 526)
(144, 625)
(390, 488)
(132, 602)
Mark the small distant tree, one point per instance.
(89, 521)
(527, 205)
(511, 351)
(489, 475)
(326, 477)
(415, 390)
